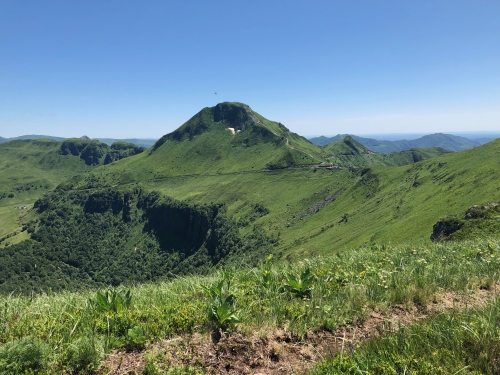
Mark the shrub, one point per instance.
(26, 354)
(83, 354)
(136, 338)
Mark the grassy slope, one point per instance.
(401, 204)
(205, 145)
(35, 164)
(344, 290)
(398, 204)
(383, 204)
(373, 205)
(28, 169)
(345, 146)
(347, 152)
(454, 342)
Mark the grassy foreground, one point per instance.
(457, 342)
(73, 332)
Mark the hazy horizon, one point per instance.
(378, 136)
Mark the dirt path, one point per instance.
(280, 352)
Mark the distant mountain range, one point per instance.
(347, 152)
(31, 136)
(141, 142)
(445, 141)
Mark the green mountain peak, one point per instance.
(238, 118)
(229, 137)
(346, 146)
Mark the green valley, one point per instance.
(234, 230)
(273, 190)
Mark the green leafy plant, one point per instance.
(136, 338)
(150, 366)
(113, 301)
(302, 284)
(221, 311)
(267, 277)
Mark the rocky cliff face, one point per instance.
(444, 228)
(477, 220)
(95, 152)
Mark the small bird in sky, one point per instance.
(215, 93)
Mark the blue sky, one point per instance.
(140, 69)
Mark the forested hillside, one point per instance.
(111, 237)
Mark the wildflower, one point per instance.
(362, 273)
(351, 347)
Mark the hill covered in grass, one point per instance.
(347, 152)
(225, 159)
(101, 235)
(229, 137)
(317, 210)
(346, 146)
(29, 168)
(31, 137)
(351, 257)
(140, 142)
(44, 163)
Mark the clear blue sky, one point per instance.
(140, 69)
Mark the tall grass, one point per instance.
(343, 288)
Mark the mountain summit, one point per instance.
(239, 119)
(346, 146)
(229, 137)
